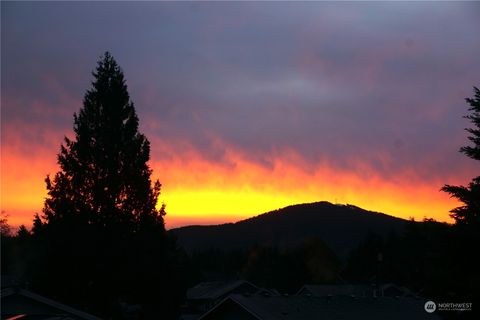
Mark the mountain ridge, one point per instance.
(341, 227)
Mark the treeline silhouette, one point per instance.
(435, 260)
(100, 243)
(285, 269)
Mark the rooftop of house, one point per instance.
(339, 307)
(359, 290)
(22, 304)
(216, 289)
(335, 289)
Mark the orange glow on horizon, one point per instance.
(239, 189)
(198, 191)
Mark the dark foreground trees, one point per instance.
(469, 212)
(438, 260)
(101, 243)
(467, 216)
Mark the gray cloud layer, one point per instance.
(380, 83)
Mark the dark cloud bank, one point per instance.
(377, 83)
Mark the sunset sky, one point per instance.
(252, 106)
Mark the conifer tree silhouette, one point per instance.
(469, 212)
(101, 242)
(104, 177)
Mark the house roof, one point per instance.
(403, 291)
(307, 308)
(267, 292)
(216, 289)
(335, 290)
(20, 310)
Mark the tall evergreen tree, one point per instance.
(469, 212)
(104, 177)
(101, 240)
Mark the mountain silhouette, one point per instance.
(341, 227)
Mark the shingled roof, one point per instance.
(217, 289)
(336, 290)
(307, 308)
(20, 303)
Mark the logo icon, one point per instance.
(430, 306)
